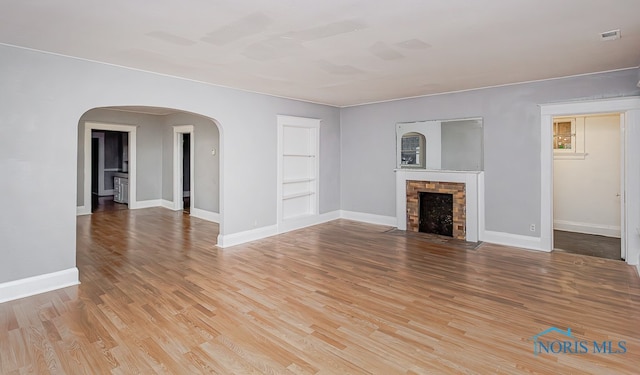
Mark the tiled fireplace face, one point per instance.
(457, 189)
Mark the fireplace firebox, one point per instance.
(436, 213)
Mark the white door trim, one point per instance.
(629, 107)
(178, 132)
(131, 129)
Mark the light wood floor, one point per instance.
(158, 297)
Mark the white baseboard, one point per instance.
(369, 218)
(514, 240)
(272, 230)
(167, 204)
(83, 210)
(186, 194)
(307, 221)
(205, 215)
(587, 228)
(38, 284)
(638, 269)
(234, 239)
(147, 204)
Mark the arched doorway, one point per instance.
(148, 158)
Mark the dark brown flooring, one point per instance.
(106, 204)
(586, 244)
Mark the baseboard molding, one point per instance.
(587, 228)
(83, 210)
(147, 204)
(369, 218)
(514, 240)
(167, 204)
(239, 238)
(638, 269)
(205, 215)
(234, 239)
(38, 284)
(307, 221)
(186, 194)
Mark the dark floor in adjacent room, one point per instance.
(587, 244)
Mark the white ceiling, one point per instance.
(338, 52)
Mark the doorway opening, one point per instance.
(629, 110)
(183, 168)
(587, 183)
(109, 170)
(109, 181)
(186, 172)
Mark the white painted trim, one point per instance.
(234, 239)
(205, 215)
(513, 240)
(630, 108)
(587, 228)
(307, 221)
(369, 218)
(83, 210)
(147, 204)
(166, 204)
(132, 130)
(30, 286)
(272, 230)
(178, 133)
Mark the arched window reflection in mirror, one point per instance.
(413, 150)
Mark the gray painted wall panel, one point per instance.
(511, 143)
(42, 98)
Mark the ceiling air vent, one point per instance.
(610, 35)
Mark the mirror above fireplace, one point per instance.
(454, 145)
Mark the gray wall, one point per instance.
(148, 145)
(511, 143)
(42, 98)
(206, 166)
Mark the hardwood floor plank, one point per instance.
(339, 298)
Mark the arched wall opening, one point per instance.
(147, 156)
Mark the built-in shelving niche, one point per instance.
(298, 146)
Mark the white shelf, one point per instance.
(298, 180)
(298, 195)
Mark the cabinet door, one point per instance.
(124, 191)
(117, 196)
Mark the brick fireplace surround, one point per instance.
(414, 188)
(466, 186)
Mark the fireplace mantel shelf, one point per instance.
(415, 170)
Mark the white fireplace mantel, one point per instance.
(474, 191)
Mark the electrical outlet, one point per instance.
(532, 227)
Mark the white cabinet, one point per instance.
(121, 189)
